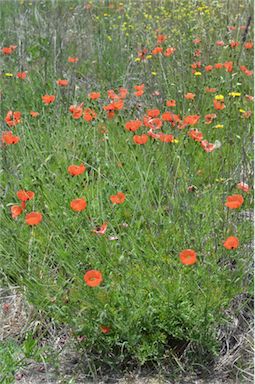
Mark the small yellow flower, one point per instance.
(234, 94)
(109, 38)
(219, 126)
(148, 57)
(137, 59)
(197, 73)
(8, 74)
(176, 141)
(219, 97)
(154, 73)
(242, 110)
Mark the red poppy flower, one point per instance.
(208, 147)
(105, 329)
(76, 110)
(33, 218)
(123, 92)
(169, 51)
(12, 118)
(196, 65)
(140, 139)
(100, 230)
(72, 59)
(234, 44)
(171, 103)
(218, 66)
(188, 257)
(21, 75)
(8, 138)
(16, 210)
(78, 205)
(34, 114)
(220, 43)
(248, 45)
(196, 135)
(157, 50)
(161, 38)
(154, 135)
(94, 95)
(189, 96)
(48, 99)
(9, 50)
(245, 70)
(62, 83)
(218, 105)
(232, 242)
(210, 90)
(119, 198)
(209, 118)
(243, 186)
(229, 66)
(139, 90)
(196, 41)
(197, 52)
(133, 125)
(165, 138)
(152, 123)
(234, 201)
(23, 195)
(89, 114)
(75, 170)
(208, 68)
(93, 278)
(153, 112)
(191, 120)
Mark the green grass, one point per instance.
(148, 298)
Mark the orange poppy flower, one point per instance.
(169, 51)
(105, 329)
(33, 218)
(220, 43)
(139, 87)
(151, 123)
(243, 186)
(34, 114)
(154, 135)
(48, 99)
(188, 257)
(189, 96)
(119, 198)
(234, 201)
(140, 139)
(196, 65)
(171, 103)
(218, 105)
(16, 210)
(78, 205)
(165, 138)
(208, 68)
(196, 135)
(21, 75)
(93, 278)
(208, 147)
(248, 45)
(8, 138)
(9, 50)
(232, 242)
(133, 125)
(23, 195)
(153, 112)
(75, 170)
(157, 50)
(100, 230)
(245, 70)
(62, 83)
(197, 52)
(72, 59)
(12, 118)
(94, 95)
